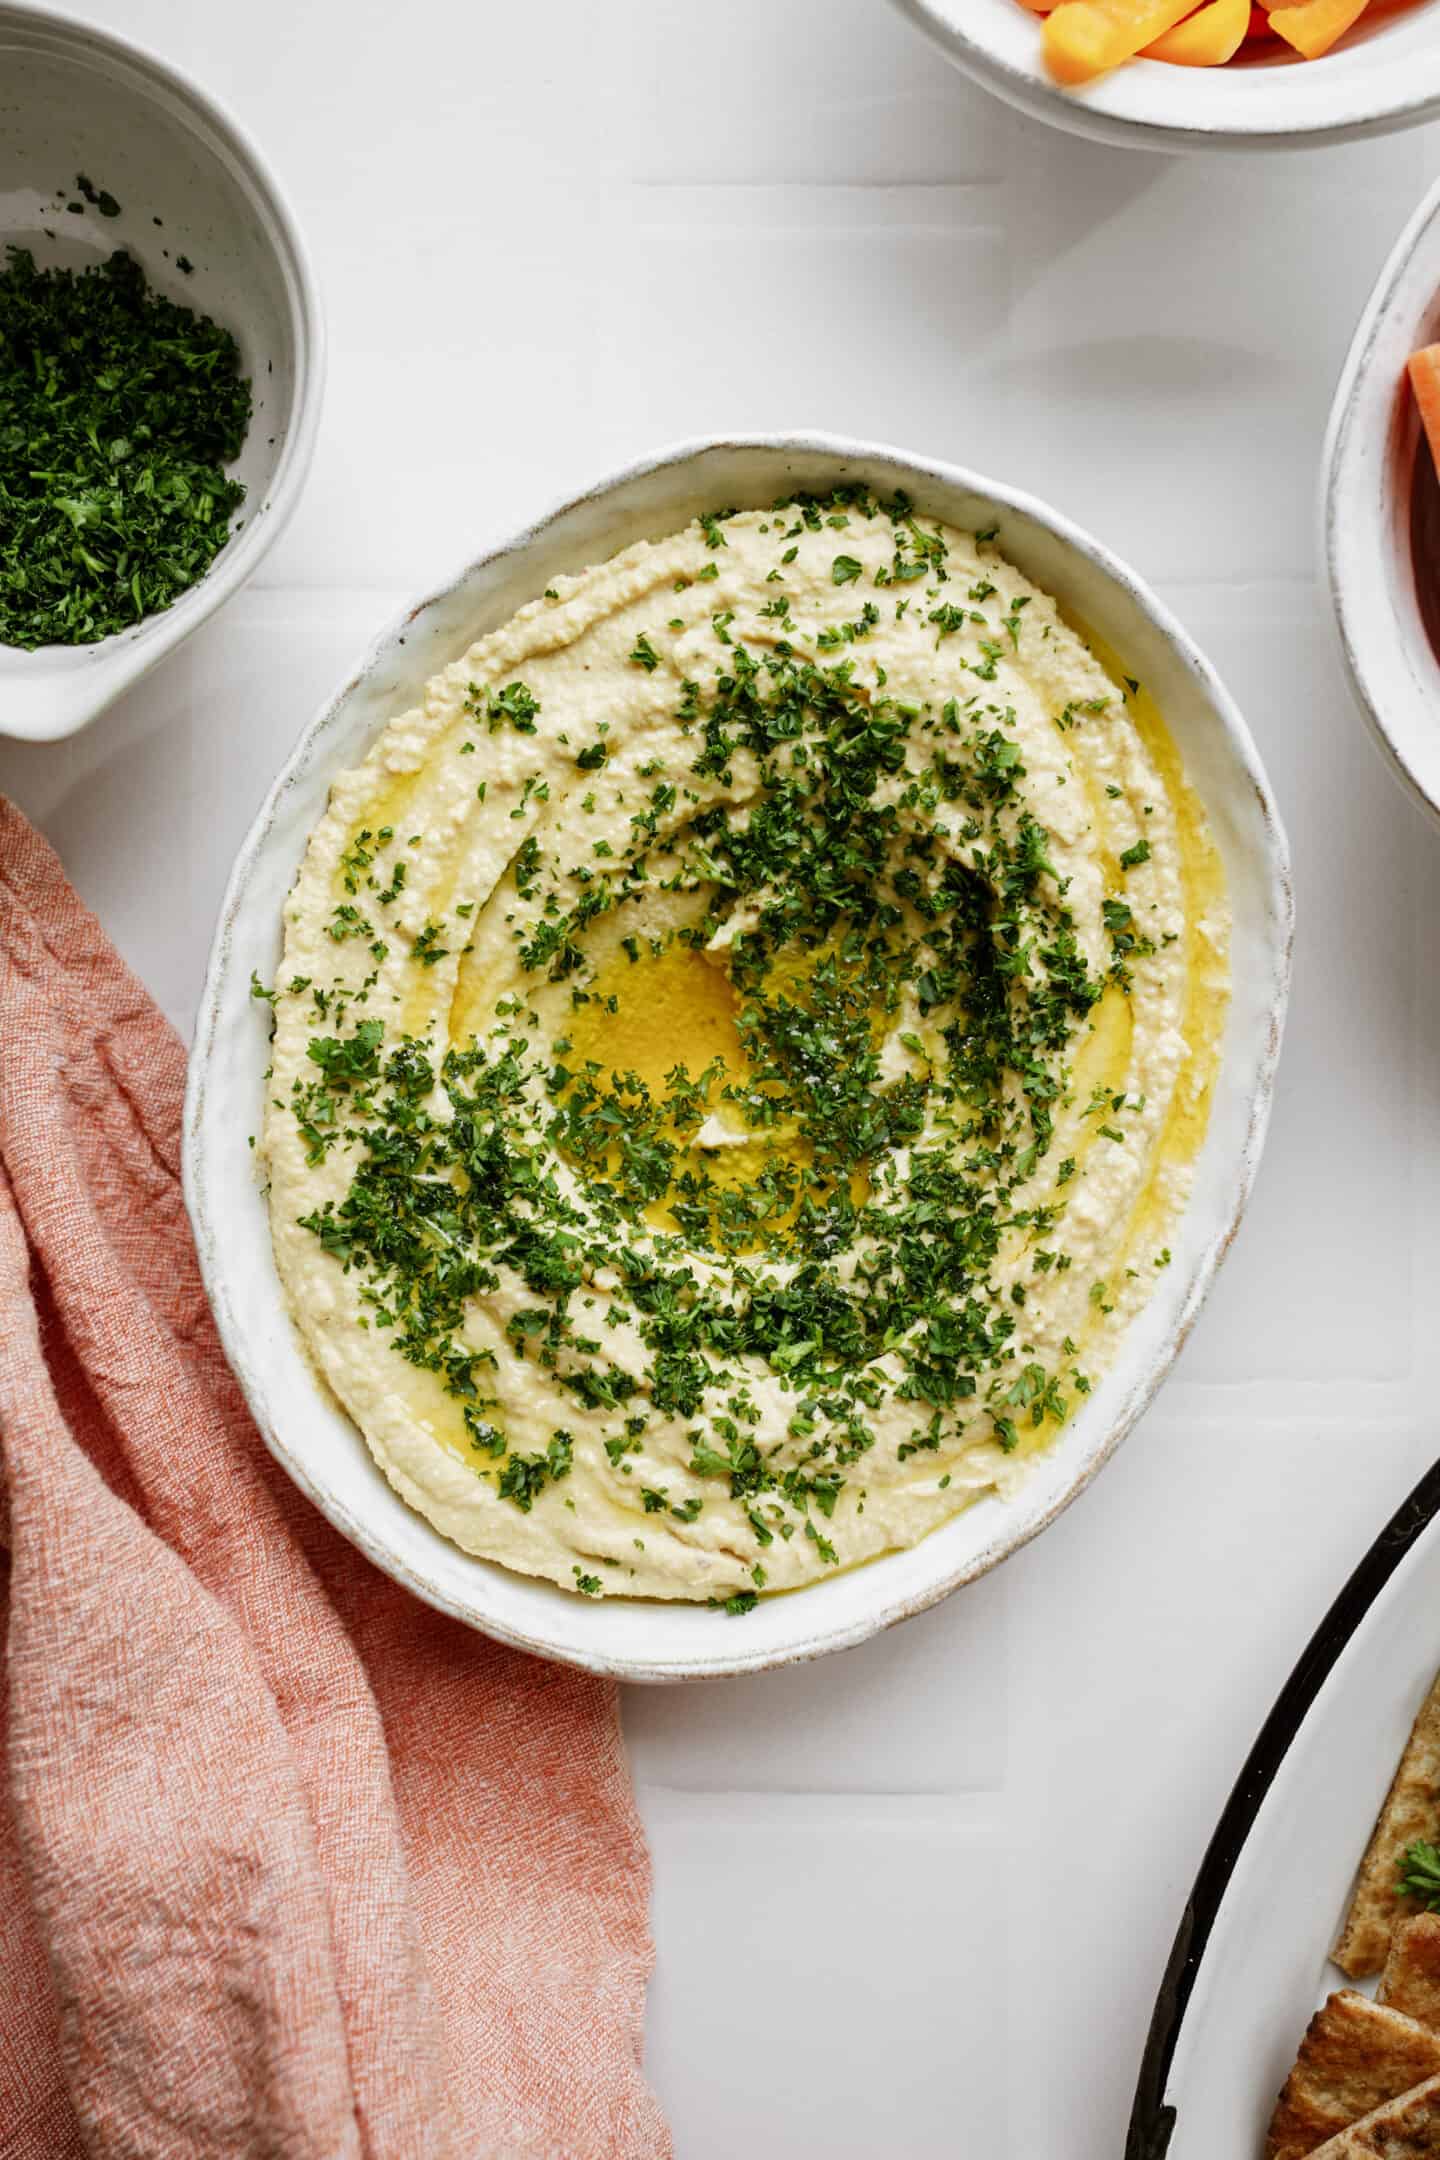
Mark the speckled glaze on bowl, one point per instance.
(308, 1431)
(1385, 74)
(191, 186)
(1381, 515)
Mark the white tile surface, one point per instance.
(864, 2051)
(874, 1722)
(554, 236)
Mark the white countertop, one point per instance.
(915, 1900)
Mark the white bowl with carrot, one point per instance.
(1381, 508)
(1200, 74)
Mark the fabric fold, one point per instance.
(306, 1867)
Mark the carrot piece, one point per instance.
(1313, 26)
(1038, 7)
(1425, 382)
(1085, 38)
(1207, 39)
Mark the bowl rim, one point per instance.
(1016, 1530)
(1361, 589)
(125, 663)
(1149, 105)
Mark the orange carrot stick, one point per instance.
(1313, 26)
(1085, 38)
(1425, 382)
(1206, 39)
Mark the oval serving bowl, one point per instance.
(1381, 511)
(1384, 75)
(311, 1435)
(192, 190)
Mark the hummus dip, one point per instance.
(740, 1048)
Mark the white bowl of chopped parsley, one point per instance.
(161, 366)
(232, 1071)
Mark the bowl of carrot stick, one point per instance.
(1381, 508)
(1200, 74)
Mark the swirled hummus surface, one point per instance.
(741, 1043)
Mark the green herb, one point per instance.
(426, 945)
(119, 411)
(495, 707)
(346, 1060)
(99, 198)
(1418, 1874)
(524, 1477)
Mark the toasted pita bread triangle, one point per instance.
(1407, 2128)
(1355, 2055)
(1411, 1810)
(1411, 1979)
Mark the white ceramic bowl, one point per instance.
(1383, 75)
(1381, 510)
(78, 100)
(310, 1434)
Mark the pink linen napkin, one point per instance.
(289, 1864)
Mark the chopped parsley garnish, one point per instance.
(119, 412)
(812, 1250)
(1418, 1874)
(513, 704)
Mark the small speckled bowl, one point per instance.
(1384, 74)
(1381, 511)
(305, 1427)
(191, 190)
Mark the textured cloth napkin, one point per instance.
(289, 1864)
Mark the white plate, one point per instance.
(190, 185)
(1379, 484)
(1384, 75)
(309, 1433)
(1251, 1960)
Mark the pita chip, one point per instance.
(1411, 1810)
(1355, 2055)
(1404, 2129)
(1411, 1979)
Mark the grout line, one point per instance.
(746, 1807)
(976, 183)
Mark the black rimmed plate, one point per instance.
(1251, 1958)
